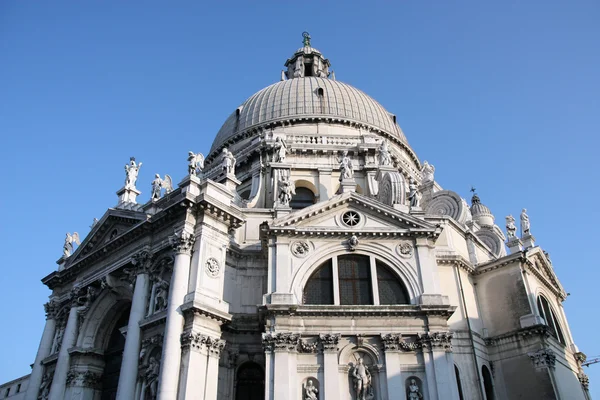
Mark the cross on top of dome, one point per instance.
(307, 61)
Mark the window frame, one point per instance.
(553, 322)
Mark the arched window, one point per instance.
(304, 197)
(250, 383)
(458, 384)
(546, 312)
(488, 384)
(348, 280)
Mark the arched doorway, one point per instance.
(488, 383)
(250, 382)
(113, 355)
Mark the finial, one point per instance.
(306, 39)
(473, 189)
(475, 198)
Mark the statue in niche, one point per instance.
(195, 163)
(158, 184)
(151, 377)
(310, 391)
(384, 157)
(362, 381)
(427, 171)
(60, 332)
(131, 173)
(45, 386)
(511, 228)
(69, 240)
(413, 196)
(413, 391)
(525, 225)
(279, 150)
(161, 295)
(228, 162)
(346, 167)
(286, 191)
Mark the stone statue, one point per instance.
(131, 173)
(310, 391)
(413, 196)
(362, 381)
(384, 157)
(151, 377)
(60, 332)
(346, 167)
(94, 222)
(427, 172)
(279, 150)
(68, 246)
(299, 67)
(228, 162)
(158, 184)
(195, 163)
(286, 191)
(413, 391)
(511, 228)
(161, 295)
(525, 226)
(45, 386)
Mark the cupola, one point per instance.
(307, 61)
(481, 214)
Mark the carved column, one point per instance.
(129, 364)
(439, 364)
(285, 346)
(169, 373)
(331, 376)
(44, 349)
(57, 390)
(200, 366)
(268, 347)
(392, 347)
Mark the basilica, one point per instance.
(309, 255)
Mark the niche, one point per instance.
(311, 389)
(414, 388)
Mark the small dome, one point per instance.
(302, 98)
(480, 212)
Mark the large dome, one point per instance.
(307, 97)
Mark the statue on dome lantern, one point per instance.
(131, 173)
(511, 228)
(279, 150)
(525, 225)
(346, 167)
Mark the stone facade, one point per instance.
(310, 255)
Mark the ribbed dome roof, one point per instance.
(301, 98)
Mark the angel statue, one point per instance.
(384, 158)
(131, 173)
(279, 150)
(158, 184)
(286, 191)
(196, 163)
(68, 246)
(228, 162)
(346, 167)
(511, 228)
(310, 391)
(427, 171)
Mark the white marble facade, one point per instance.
(310, 255)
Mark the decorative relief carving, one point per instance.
(182, 242)
(202, 343)
(391, 189)
(405, 249)
(395, 342)
(283, 341)
(87, 379)
(435, 340)
(307, 347)
(351, 218)
(45, 386)
(330, 341)
(213, 268)
(580, 357)
(584, 380)
(150, 377)
(352, 243)
(300, 248)
(448, 203)
(142, 260)
(51, 308)
(148, 344)
(543, 358)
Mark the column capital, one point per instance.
(142, 261)
(435, 341)
(182, 242)
(543, 358)
(282, 341)
(395, 342)
(202, 343)
(329, 341)
(88, 379)
(51, 308)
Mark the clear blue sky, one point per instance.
(500, 95)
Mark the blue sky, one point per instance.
(499, 95)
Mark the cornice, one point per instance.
(328, 311)
(457, 260)
(193, 308)
(499, 263)
(531, 331)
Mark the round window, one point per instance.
(351, 218)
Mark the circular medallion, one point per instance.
(300, 248)
(351, 218)
(405, 249)
(212, 267)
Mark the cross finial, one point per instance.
(306, 39)
(473, 189)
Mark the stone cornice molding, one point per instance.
(329, 341)
(202, 343)
(194, 308)
(541, 331)
(182, 242)
(327, 311)
(543, 358)
(395, 342)
(456, 260)
(488, 266)
(281, 341)
(88, 379)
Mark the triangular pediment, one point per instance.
(110, 227)
(335, 216)
(545, 271)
